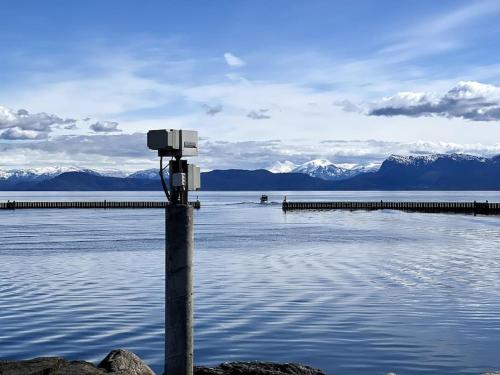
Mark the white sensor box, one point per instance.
(194, 177)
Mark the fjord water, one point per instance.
(350, 292)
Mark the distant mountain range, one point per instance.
(325, 169)
(92, 182)
(430, 172)
(149, 174)
(238, 179)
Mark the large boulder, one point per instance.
(49, 366)
(118, 362)
(258, 368)
(124, 362)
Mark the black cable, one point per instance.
(162, 178)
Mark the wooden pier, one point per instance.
(16, 205)
(443, 207)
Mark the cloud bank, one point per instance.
(468, 100)
(21, 124)
(20, 134)
(129, 152)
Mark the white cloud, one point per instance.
(21, 124)
(20, 134)
(233, 61)
(261, 114)
(298, 93)
(105, 127)
(438, 34)
(467, 100)
(107, 91)
(348, 106)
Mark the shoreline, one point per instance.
(124, 362)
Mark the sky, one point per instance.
(268, 84)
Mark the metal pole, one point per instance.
(179, 289)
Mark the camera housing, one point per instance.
(172, 142)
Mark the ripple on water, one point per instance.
(351, 292)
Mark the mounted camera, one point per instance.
(182, 177)
(171, 142)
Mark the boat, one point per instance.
(263, 198)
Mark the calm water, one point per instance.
(350, 292)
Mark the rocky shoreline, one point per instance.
(123, 362)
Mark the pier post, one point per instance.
(179, 290)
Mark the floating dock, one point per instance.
(16, 205)
(443, 207)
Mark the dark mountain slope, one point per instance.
(91, 182)
(433, 172)
(237, 179)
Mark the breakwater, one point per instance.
(483, 208)
(17, 205)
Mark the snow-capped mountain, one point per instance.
(421, 160)
(38, 174)
(430, 172)
(321, 168)
(424, 172)
(327, 170)
(282, 167)
(148, 174)
(14, 176)
(110, 172)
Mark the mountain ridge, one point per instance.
(324, 169)
(430, 172)
(397, 172)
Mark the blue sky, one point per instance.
(265, 82)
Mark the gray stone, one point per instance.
(124, 362)
(48, 366)
(258, 368)
(118, 362)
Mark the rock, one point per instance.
(258, 368)
(124, 362)
(49, 366)
(118, 362)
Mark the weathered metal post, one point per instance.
(179, 289)
(179, 240)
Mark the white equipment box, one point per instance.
(194, 177)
